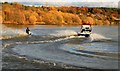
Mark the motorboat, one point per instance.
(85, 30)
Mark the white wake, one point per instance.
(6, 32)
(98, 37)
(64, 33)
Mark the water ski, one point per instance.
(29, 33)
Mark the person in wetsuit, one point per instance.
(28, 31)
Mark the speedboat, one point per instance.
(85, 31)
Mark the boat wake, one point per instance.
(62, 46)
(8, 33)
(94, 37)
(64, 33)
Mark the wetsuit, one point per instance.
(27, 30)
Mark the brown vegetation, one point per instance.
(16, 13)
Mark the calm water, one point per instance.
(59, 45)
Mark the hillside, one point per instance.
(15, 13)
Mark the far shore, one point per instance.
(60, 25)
(18, 14)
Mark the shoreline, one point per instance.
(59, 25)
(22, 26)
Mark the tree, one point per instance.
(32, 19)
(89, 20)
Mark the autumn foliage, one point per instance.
(15, 13)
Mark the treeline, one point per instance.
(15, 13)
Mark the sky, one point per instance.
(100, 3)
(61, 0)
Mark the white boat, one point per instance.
(85, 30)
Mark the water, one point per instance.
(59, 45)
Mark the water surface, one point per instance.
(59, 45)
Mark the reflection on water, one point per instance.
(14, 26)
(58, 44)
